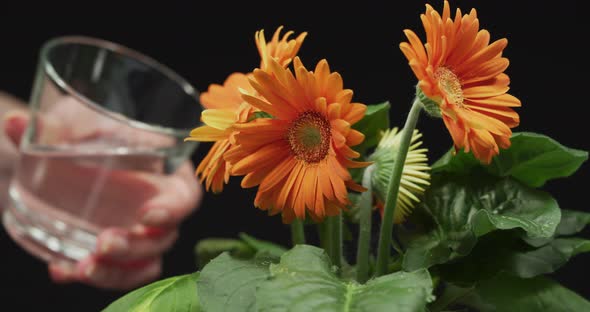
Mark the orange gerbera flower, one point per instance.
(300, 156)
(224, 107)
(283, 50)
(464, 74)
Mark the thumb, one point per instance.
(15, 123)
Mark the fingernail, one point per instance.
(60, 273)
(156, 216)
(12, 124)
(90, 270)
(92, 273)
(113, 244)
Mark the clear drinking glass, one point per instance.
(105, 121)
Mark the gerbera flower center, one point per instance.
(450, 84)
(309, 137)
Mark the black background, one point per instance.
(205, 42)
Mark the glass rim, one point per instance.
(49, 69)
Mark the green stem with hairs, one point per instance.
(297, 232)
(366, 212)
(383, 251)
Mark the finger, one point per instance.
(15, 123)
(116, 276)
(97, 273)
(9, 102)
(178, 196)
(119, 245)
(62, 272)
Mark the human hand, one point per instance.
(8, 153)
(128, 257)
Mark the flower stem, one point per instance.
(322, 229)
(366, 209)
(297, 232)
(337, 240)
(383, 251)
(328, 237)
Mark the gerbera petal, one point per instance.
(218, 118)
(337, 168)
(287, 187)
(338, 139)
(277, 174)
(324, 181)
(207, 134)
(505, 100)
(310, 185)
(418, 69)
(213, 169)
(265, 106)
(484, 91)
(355, 186)
(322, 73)
(407, 50)
(477, 120)
(456, 130)
(340, 125)
(338, 186)
(483, 145)
(464, 42)
(348, 152)
(354, 164)
(267, 153)
(296, 199)
(334, 110)
(344, 97)
(333, 208)
(484, 55)
(226, 96)
(417, 45)
(355, 113)
(502, 141)
(273, 91)
(255, 177)
(492, 110)
(486, 71)
(354, 138)
(333, 86)
(279, 49)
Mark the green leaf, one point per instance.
(548, 258)
(304, 280)
(572, 222)
(508, 205)
(506, 252)
(173, 294)
(458, 209)
(228, 284)
(263, 247)
(509, 293)
(532, 158)
(209, 248)
(455, 162)
(376, 119)
(257, 115)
